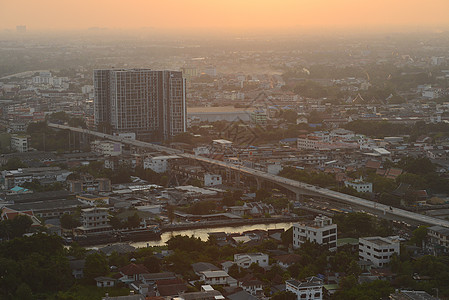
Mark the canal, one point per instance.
(202, 233)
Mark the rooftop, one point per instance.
(379, 241)
(218, 273)
(308, 282)
(46, 205)
(133, 269)
(440, 230)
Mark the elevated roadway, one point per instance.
(293, 185)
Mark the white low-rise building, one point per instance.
(107, 148)
(245, 260)
(309, 289)
(158, 164)
(212, 179)
(320, 231)
(93, 200)
(201, 151)
(274, 168)
(217, 278)
(360, 186)
(309, 143)
(378, 250)
(19, 143)
(94, 220)
(439, 238)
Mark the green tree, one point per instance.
(417, 165)
(164, 180)
(353, 269)
(38, 261)
(350, 290)
(419, 235)
(416, 181)
(170, 213)
(115, 222)
(69, 222)
(96, 265)
(152, 264)
(13, 163)
(287, 237)
(24, 292)
(133, 221)
(118, 260)
(16, 227)
(262, 194)
(290, 116)
(286, 295)
(202, 207)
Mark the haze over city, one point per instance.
(228, 15)
(215, 150)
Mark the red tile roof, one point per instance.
(133, 269)
(372, 164)
(288, 258)
(392, 173)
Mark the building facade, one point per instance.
(151, 104)
(94, 220)
(158, 164)
(245, 260)
(107, 148)
(320, 231)
(360, 186)
(438, 238)
(309, 289)
(212, 179)
(19, 143)
(378, 250)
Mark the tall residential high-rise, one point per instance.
(151, 104)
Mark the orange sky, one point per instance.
(232, 14)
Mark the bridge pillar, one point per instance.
(298, 196)
(259, 182)
(237, 178)
(228, 175)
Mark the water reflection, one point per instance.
(203, 232)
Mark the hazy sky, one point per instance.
(231, 14)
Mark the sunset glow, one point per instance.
(231, 14)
